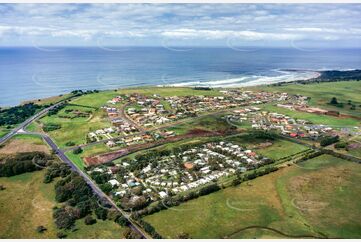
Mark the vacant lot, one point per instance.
(319, 198)
(24, 143)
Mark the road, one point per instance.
(26, 123)
(60, 153)
(133, 224)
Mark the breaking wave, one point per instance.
(275, 76)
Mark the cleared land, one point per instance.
(320, 198)
(24, 143)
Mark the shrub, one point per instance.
(70, 143)
(89, 220)
(51, 127)
(329, 140)
(60, 235)
(41, 229)
(78, 150)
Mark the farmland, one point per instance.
(274, 201)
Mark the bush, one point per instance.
(60, 235)
(78, 150)
(89, 220)
(122, 221)
(329, 140)
(340, 145)
(64, 217)
(41, 229)
(70, 143)
(101, 213)
(51, 127)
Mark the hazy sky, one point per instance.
(287, 25)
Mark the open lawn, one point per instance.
(322, 93)
(319, 197)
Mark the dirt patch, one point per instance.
(22, 146)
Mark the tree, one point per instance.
(101, 213)
(334, 101)
(122, 221)
(78, 150)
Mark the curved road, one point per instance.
(60, 153)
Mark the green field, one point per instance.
(280, 149)
(3, 132)
(25, 204)
(314, 118)
(320, 197)
(76, 129)
(77, 159)
(322, 93)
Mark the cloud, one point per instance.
(204, 22)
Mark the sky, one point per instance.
(235, 25)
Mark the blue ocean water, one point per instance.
(32, 73)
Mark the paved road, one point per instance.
(168, 125)
(133, 224)
(21, 129)
(26, 123)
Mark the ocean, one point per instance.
(33, 73)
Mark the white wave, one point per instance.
(253, 80)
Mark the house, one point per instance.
(163, 194)
(110, 143)
(114, 182)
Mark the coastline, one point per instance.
(314, 76)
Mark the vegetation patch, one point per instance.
(268, 201)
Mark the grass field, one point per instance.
(77, 159)
(3, 131)
(314, 118)
(76, 129)
(322, 93)
(24, 143)
(320, 197)
(25, 204)
(280, 149)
